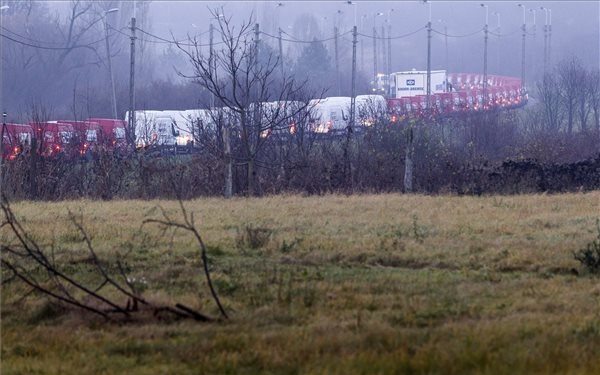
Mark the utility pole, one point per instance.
(446, 45)
(533, 50)
(550, 37)
(389, 54)
(374, 56)
(281, 52)
(532, 10)
(337, 60)
(429, 61)
(2, 155)
(256, 42)
(109, 61)
(132, 121)
(545, 38)
(362, 44)
(211, 59)
(524, 30)
(389, 46)
(384, 51)
(497, 14)
(353, 98)
(4, 7)
(485, 45)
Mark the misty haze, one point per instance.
(300, 187)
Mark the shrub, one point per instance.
(253, 237)
(589, 256)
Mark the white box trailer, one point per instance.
(414, 82)
(167, 128)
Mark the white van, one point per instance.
(330, 114)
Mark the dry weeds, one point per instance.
(344, 285)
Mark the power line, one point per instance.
(89, 45)
(458, 36)
(162, 40)
(27, 38)
(394, 37)
(296, 40)
(505, 35)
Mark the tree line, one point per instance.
(548, 146)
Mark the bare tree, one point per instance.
(246, 81)
(43, 49)
(594, 97)
(113, 295)
(571, 85)
(549, 94)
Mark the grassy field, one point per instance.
(373, 284)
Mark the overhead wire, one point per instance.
(457, 36)
(505, 35)
(88, 45)
(184, 43)
(26, 37)
(296, 40)
(393, 37)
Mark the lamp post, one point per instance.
(389, 45)
(497, 14)
(279, 39)
(2, 9)
(445, 41)
(375, 47)
(131, 138)
(428, 54)
(349, 2)
(550, 36)
(109, 60)
(337, 58)
(524, 29)
(2, 153)
(362, 45)
(353, 87)
(532, 11)
(485, 43)
(545, 37)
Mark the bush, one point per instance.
(590, 255)
(253, 238)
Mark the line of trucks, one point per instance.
(404, 98)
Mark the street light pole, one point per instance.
(445, 41)
(375, 47)
(109, 61)
(545, 38)
(524, 29)
(362, 44)
(2, 154)
(132, 122)
(280, 43)
(550, 36)
(532, 10)
(485, 45)
(389, 47)
(497, 14)
(428, 55)
(2, 8)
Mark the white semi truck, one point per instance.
(414, 82)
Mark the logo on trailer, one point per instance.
(410, 82)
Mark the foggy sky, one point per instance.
(575, 27)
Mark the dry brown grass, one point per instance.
(359, 284)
